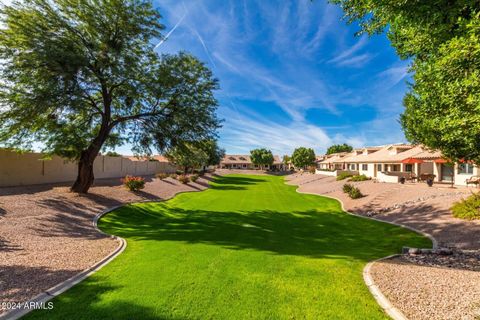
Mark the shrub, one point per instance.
(311, 169)
(133, 183)
(194, 177)
(174, 176)
(468, 208)
(162, 176)
(355, 193)
(347, 187)
(343, 176)
(179, 172)
(357, 178)
(352, 191)
(183, 179)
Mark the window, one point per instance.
(396, 167)
(379, 167)
(408, 168)
(244, 165)
(364, 167)
(465, 168)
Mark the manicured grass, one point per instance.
(248, 248)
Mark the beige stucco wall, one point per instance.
(27, 168)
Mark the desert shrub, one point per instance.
(194, 177)
(162, 176)
(179, 172)
(311, 169)
(183, 179)
(352, 191)
(173, 176)
(357, 178)
(355, 193)
(133, 183)
(347, 187)
(468, 208)
(343, 176)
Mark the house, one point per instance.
(332, 162)
(230, 161)
(391, 162)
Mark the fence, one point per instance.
(28, 168)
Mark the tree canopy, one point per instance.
(442, 40)
(303, 157)
(81, 76)
(339, 148)
(261, 157)
(187, 156)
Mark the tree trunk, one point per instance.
(85, 175)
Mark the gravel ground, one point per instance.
(421, 286)
(47, 236)
(425, 292)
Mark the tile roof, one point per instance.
(240, 159)
(394, 154)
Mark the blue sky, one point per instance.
(292, 73)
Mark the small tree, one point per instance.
(303, 157)
(339, 148)
(286, 160)
(261, 157)
(214, 152)
(80, 76)
(188, 156)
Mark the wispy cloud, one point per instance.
(295, 55)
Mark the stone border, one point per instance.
(377, 294)
(58, 289)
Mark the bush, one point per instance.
(133, 183)
(179, 172)
(194, 177)
(468, 208)
(352, 191)
(174, 176)
(162, 176)
(183, 179)
(355, 193)
(357, 178)
(347, 188)
(343, 176)
(311, 169)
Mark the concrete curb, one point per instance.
(386, 305)
(58, 289)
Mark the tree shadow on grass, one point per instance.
(88, 296)
(304, 233)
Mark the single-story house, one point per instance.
(332, 161)
(231, 161)
(390, 163)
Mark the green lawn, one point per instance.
(248, 248)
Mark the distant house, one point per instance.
(391, 162)
(230, 161)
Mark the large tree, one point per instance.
(303, 157)
(261, 157)
(442, 40)
(83, 75)
(339, 148)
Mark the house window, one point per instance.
(408, 168)
(465, 168)
(364, 167)
(244, 165)
(396, 167)
(379, 167)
